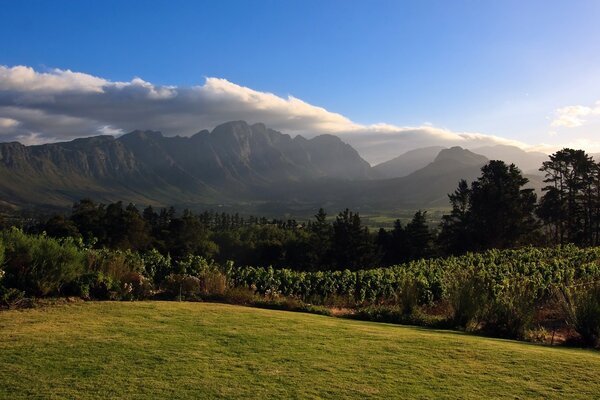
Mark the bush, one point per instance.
(511, 310)
(468, 298)
(395, 315)
(2, 251)
(409, 296)
(181, 287)
(40, 265)
(115, 264)
(11, 297)
(240, 295)
(582, 308)
(94, 285)
(195, 266)
(156, 266)
(213, 283)
(135, 286)
(291, 304)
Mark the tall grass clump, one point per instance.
(581, 304)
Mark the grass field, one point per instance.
(100, 350)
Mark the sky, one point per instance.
(386, 76)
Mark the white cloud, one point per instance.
(26, 79)
(574, 116)
(7, 123)
(61, 105)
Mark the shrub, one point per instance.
(2, 251)
(94, 285)
(11, 297)
(395, 315)
(409, 296)
(468, 298)
(135, 286)
(182, 287)
(40, 265)
(582, 308)
(115, 264)
(291, 304)
(213, 283)
(194, 265)
(156, 266)
(537, 335)
(512, 309)
(240, 295)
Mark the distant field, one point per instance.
(138, 350)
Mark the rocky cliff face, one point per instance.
(234, 159)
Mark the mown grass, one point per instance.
(100, 350)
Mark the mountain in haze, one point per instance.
(236, 165)
(233, 162)
(529, 162)
(426, 187)
(408, 162)
(430, 185)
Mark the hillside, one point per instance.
(528, 161)
(426, 187)
(408, 162)
(234, 161)
(246, 168)
(197, 350)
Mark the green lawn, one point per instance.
(101, 350)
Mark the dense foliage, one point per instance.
(321, 243)
(497, 291)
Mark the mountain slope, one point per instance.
(528, 161)
(427, 187)
(235, 160)
(408, 162)
(236, 165)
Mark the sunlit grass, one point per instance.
(198, 350)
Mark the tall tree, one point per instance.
(320, 241)
(455, 235)
(569, 206)
(352, 246)
(419, 237)
(495, 212)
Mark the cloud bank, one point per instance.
(575, 116)
(38, 107)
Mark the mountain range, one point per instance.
(235, 165)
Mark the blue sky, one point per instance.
(502, 68)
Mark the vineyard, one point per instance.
(497, 273)
(500, 292)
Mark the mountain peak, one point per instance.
(463, 156)
(407, 163)
(143, 134)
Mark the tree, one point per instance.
(495, 212)
(88, 217)
(188, 236)
(455, 235)
(352, 246)
(320, 240)
(501, 210)
(418, 237)
(569, 206)
(60, 227)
